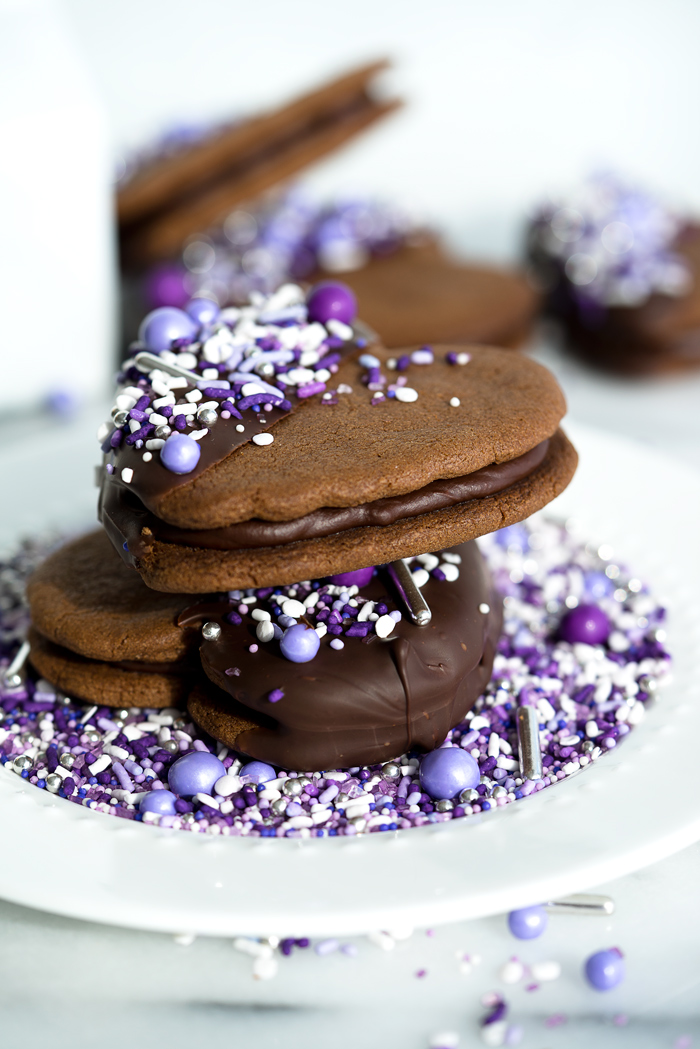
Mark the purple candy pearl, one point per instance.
(605, 969)
(299, 644)
(165, 285)
(161, 802)
(528, 923)
(202, 311)
(258, 772)
(446, 772)
(331, 300)
(195, 773)
(180, 454)
(160, 327)
(587, 623)
(359, 578)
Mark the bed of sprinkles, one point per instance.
(587, 696)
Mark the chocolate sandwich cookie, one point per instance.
(100, 634)
(421, 293)
(621, 274)
(181, 193)
(372, 686)
(368, 458)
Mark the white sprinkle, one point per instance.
(103, 431)
(321, 629)
(206, 799)
(124, 402)
(262, 438)
(134, 425)
(240, 428)
(163, 401)
(424, 356)
(184, 409)
(455, 402)
(447, 555)
(193, 395)
(293, 608)
(484, 608)
(158, 420)
(176, 382)
(322, 375)
(127, 475)
(340, 330)
(420, 577)
(344, 388)
(479, 722)
(186, 360)
(384, 626)
(592, 729)
(463, 358)
(368, 360)
(494, 748)
(337, 644)
(155, 443)
(103, 762)
(429, 561)
(512, 972)
(406, 394)
(260, 615)
(265, 631)
(545, 971)
(249, 389)
(210, 373)
(451, 572)
(147, 456)
(197, 435)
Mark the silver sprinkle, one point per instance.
(161, 432)
(121, 714)
(265, 370)
(469, 795)
(499, 792)
(390, 770)
(292, 788)
(22, 763)
(444, 805)
(120, 418)
(416, 605)
(530, 756)
(53, 782)
(211, 631)
(587, 746)
(171, 745)
(279, 806)
(582, 903)
(67, 760)
(207, 416)
(17, 663)
(146, 362)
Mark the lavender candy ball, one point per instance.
(300, 643)
(331, 300)
(180, 454)
(161, 802)
(528, 923)
(258, 772)
(359, 578)
(605, 969)
(161, 326)
(195, 773)
(202, 311)
(446, 772)
(587, 623)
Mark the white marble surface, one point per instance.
(67, 973)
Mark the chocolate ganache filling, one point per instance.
(370, 701)
(122, 511)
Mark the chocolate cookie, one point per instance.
(100, 634)
(375, 687)
(297, 485)
(622, 277)
(174, 196)
(422, 294)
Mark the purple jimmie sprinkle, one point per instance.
(309, 389)
(276, 695)
(140, 434)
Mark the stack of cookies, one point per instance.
(289, 513)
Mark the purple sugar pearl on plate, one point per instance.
(180, 454)
(162, 802)
(202, 311)
(257, 772)
(605, 969)
(359, 578)
(195, 773)
(528, 923)
(299, 643)
(446, 772)
(587, 623)
(165, 285)
(161, 327)
(331, 300)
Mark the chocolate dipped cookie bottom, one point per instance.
(366, 700)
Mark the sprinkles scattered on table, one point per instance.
(154, 766)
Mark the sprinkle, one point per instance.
(422, 356)
(147, 456)
(337, 644)
(384, 626)
(127, 475)
(344, 388)
(455, 402)
(262, 439)
(276, 695)
(406, 394)
(368, 360)
(484, 608)
(240, 428)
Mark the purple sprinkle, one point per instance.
(116, 438)
(233, 671)
(276, 695)
(310, 389)
(140, 434)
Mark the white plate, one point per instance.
(617, 816)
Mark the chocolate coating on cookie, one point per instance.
(370, 701)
